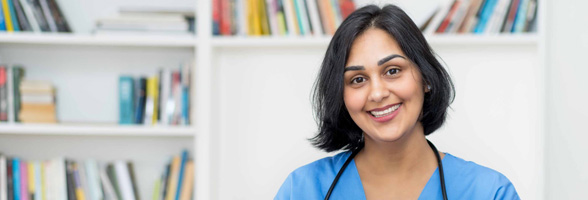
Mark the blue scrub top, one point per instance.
(463, 180)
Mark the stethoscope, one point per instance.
(441, 177)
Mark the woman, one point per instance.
(380, 91)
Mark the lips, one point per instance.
(386, 113)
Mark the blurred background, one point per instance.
(195, 99)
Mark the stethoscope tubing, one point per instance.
(354, 153)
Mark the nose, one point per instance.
(378, 90)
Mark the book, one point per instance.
(16, 178)
(24, 180)
(124, 180)
(3, 95)
(151, 101)
(28, 11)
(141, 99)
(113, 177)
(2, 19)
(173, 178)
(31, 180)
(126, 100)
(9, 179)
(181, 174)
(48, 15)
(188, 181)
(39, 192)
(23, 22)
(3, 178)
(58, 17)
(108, 188)
(18, 73)
(70, 181)
(132, 176)
(93, 179)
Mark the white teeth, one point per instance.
(385, 112)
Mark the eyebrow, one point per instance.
(380, 62)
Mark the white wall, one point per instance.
(567, 44)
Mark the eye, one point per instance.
(357, 80)
(393, 71)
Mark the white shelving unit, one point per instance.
(237, 83)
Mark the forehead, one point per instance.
(371, 46)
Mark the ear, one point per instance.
(427, 87)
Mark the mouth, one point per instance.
(384, 114)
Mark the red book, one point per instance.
(347, 7)
(449, 16)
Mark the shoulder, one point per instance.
(476, 181)
(311, 178)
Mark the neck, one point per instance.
(407, 155)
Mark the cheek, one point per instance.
(354, 100)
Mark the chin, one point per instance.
(386, 135)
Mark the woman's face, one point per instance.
(383, 90)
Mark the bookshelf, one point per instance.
(227, 74)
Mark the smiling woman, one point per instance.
(380, 91)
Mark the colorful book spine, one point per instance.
(485, 16)
(13, 17)
(126, 100)
(2, 18)
(181, 174)
(16, 178)
(24, 180)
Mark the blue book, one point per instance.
(126, 97)
(185, 105)
(13, 15)
(520, 17)
(16, 178)
(140, 107)
(487, 11)
(2, 23)
(181, 174)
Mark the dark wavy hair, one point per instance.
(336, 128)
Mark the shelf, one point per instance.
(99, 40)
(323, 41)
(97, 130)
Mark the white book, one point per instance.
(109, 192)
(165, 96)
(59, 178)
(315, 20)
(93, 179)
(290, 17)
(303, 16)
(459, 16)
(444, 7)
(270, 8)
(83, 180)
(495, 22)
(37, 98)
(48, 177)
(28, 11)
(10, 86)
(124, 180)
(3, 186)
(38, 182)
(241, 18)
(48, 15)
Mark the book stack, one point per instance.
(177, 181)
(32, 15)
(148, 21)
(60, 179)
(483, 17)
(162, 99)
(25, 101)
(37, 102)
(279, 17)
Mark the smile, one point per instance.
(385, 114)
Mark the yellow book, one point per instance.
(281, 23)
(151, 100)
(7, 18)
(79, 190)
(172, 183)
(31, 176)
(263, 18)
(249, 17)
(187, 181)
(256, 18)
